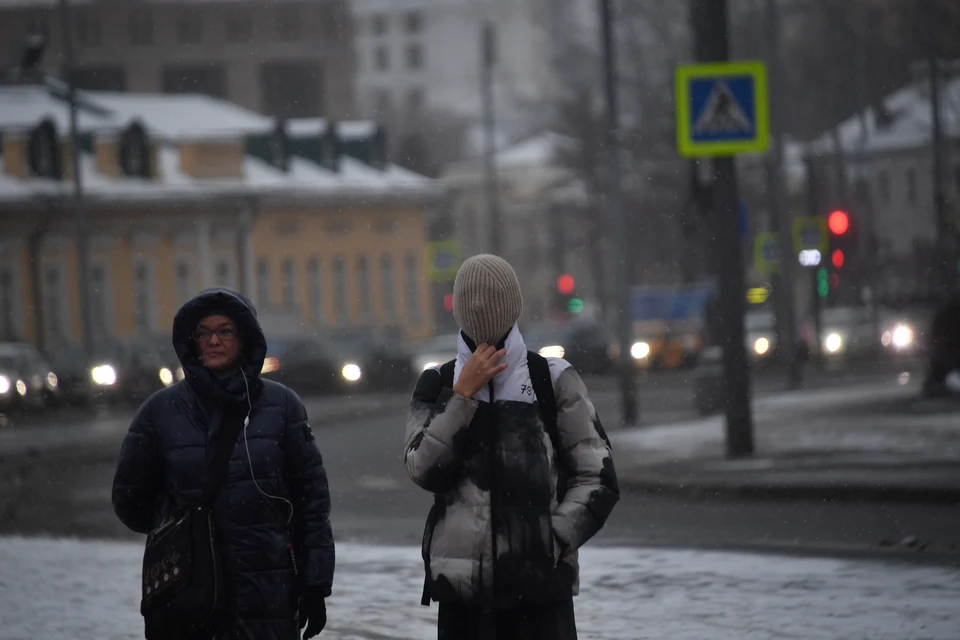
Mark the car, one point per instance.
(27, 378)
(304, 363)
(372, 360)
(586, 345)
(163, 345)
(124, 370)
(434, 352)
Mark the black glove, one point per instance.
(313, 612)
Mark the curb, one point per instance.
(880, 494)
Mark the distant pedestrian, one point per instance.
(223, 473)
(520, 468)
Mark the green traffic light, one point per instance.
(823, 282)
(575, 306)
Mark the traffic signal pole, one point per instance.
(622, 307)
(711, 43)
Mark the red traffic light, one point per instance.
(837, 258)
(839, 222)
(566, 284)
(448, 302)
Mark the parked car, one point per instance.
(26, 378)
(306, 364)
(117, 371)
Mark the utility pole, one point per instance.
(939, 199)
(488, 56)
(615, 201)
(780, 221)
(711, 43)
(80, 214)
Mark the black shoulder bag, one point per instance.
(183, 583)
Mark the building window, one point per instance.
(89, 32)
(379, 24)
(912, 185)
(53, 306)
(189, 29)
(99, 78)
(208, 79)
(884, 187)
(387, 289)
(315, 284)
(99, 301)
(8, 305)
(340, 289)
(413, 21)
(223, 273)
(239, 28)
(383, 103)
(289, 284)
(363, 286)
(143, 297)
(293, 89)
(415, 100)
(140, 28)
(37, 26)
(414, 56)
(184, 282)
(412, 277)
(263, 283)
(381, 58)
(288, 23)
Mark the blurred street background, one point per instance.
(754, 267)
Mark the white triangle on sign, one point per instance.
(721, 113)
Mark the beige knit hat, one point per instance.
(486, 298)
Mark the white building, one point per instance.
(421, 57)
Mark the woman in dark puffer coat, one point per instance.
(278, 552)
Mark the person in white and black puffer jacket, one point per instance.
(505, 487)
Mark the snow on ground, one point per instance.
(72, 590)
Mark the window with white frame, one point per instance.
(184, 273)
(387, 289)
(412, 278)
(340, 289)
(363, 285)
(315, 284)
(9, 307)
(263, 283)
(143, 291)
(99, 291)
(289, 284)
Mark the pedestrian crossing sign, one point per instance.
(443, 260)
(722, 109)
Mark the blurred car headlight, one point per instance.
(21, 387)
(270, 365)
(429, 365)
(179, 374)
(761, 346)
(902, 337)
(52, 381)
(553, 351)
(833, 343)
(351, 372)
(104, 375)
(640, 350)
(4, 385)
(166, 377)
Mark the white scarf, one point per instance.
(513, 383)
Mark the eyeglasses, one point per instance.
(224, 334)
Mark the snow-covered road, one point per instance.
(88, 590)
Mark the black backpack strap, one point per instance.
(546, 399)
(230, 426)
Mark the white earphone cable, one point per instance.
(246, 445)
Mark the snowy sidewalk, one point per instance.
(825, 444)
(70, 590)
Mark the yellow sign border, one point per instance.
(821, 222)
(763, 265)
(443, 275)
(685, 73)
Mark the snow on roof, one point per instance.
(539, 150)
(909, 110)
(182, 115)
(25, 107)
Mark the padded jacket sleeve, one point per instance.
(313, 535)
(592, 488)
(436, 422)
(138, 480)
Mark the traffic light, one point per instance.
(566, 285)
(567, 301)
